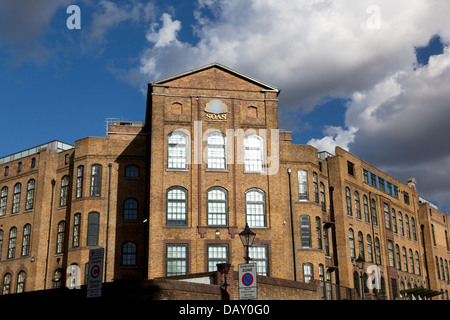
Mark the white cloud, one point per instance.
(167, 34)
(334, 136)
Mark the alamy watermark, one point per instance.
(74, 20)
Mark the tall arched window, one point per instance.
(400, 223)
(377, 251)
(322, 197)
(176, 206)
(96, 180)
(61, 233)
(351, 239)
(387, 216)
(129, 254)
(399, 260)
(348, 200)
(361, 244)
(319, 233)
(255, 208)
(6, 287)
(30, 195)
(130, 209)
(302, 176)
(366, 209)
(21, 282)
(217, 206)
(308, 273)
(394, 221)
(417, 262)
(413, 227)
(357, 205)
(374, 212)
(216, 151)
(405, 259)
(26, 238)
(1, 243)
(177, 150)
(411, 260)
(64, 191)
(3, 201)
(253, 153)
(12, 242)
(93, 228)
(305, 231)
(408, 230)
(369, 249)
(16, 198)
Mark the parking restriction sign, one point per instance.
(247, 281)
(95, 272)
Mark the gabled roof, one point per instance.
(220, 66)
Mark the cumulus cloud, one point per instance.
(334, 136)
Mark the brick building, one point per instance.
(168, 198)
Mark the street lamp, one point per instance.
(360, 265)
(247, 236)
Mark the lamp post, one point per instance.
(360, 265)
(247, 236)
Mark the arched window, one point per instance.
(64, 191)
(176, 206)
(433, 235)
(216, 151)
(377, 251)
(253, 153)
(93, 228)
(61, 233)
(6, 287)
(397, 253)
(96, 180)
(322, 197)
(369, 249)
(413, 227)
(394, 221)
(408, 231)
(305, 231)
(319, 233)
(30, 195)
(21, 282)
(3, 201)
(400, 223)
(255, 208)
(217, 206)
(348, 199)
(411, 260)
(12, 242)
(374, 212)
(132, 171)
(76, 230)
(1, 243)
(16, 198)
(366, 209)
(26, 238)
(356, 283)
(417, 262)
(129, 254)
(357, 205)
(130, 209)
(405, 259)
(57, 279)
(351, 239)
(361, 244)
(302, 176)
(177, 150)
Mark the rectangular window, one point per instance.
(381, 185)
(176, 259)
(259, 255)
(302, 185)
(217, 253)
(406, 197)
(96, 180)
(93, 229)
(365, 176)
(79, 185)
(391, 254)
(350, 168)
(177, 150)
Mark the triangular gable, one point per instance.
(265, 86)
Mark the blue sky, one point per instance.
(358, 76)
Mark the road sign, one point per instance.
(247, 281)
(95, 272)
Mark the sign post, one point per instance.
(95, 272)
(247, 281)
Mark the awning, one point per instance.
(428, 293)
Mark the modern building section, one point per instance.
(168, 197)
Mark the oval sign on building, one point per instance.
(216, 110)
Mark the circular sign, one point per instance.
(95, 271)
(247, 279)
